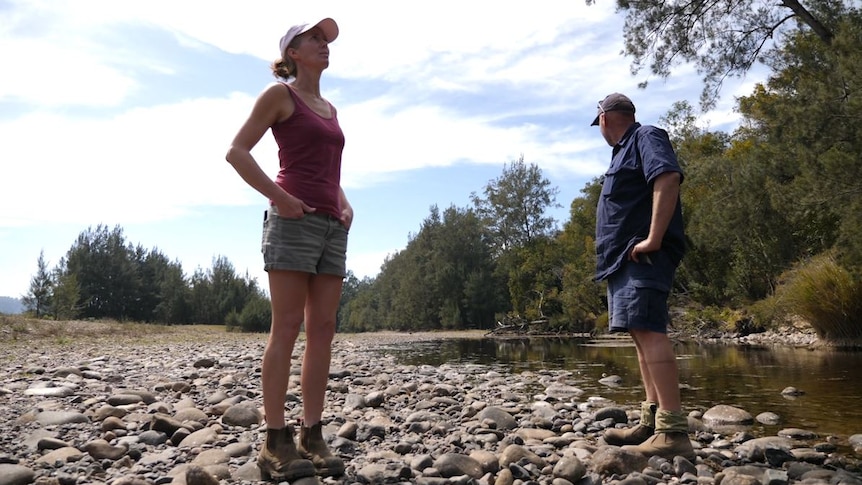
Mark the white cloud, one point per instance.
(416, 86)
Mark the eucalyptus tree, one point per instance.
(808, 116)
(514, 206)
(443, 278)
(581, 296)
(722, 39)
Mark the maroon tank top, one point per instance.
(309, 154)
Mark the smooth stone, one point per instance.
(191, 414)
(201, 437)
(16, 475)
(153, 437)
(243, 415)
(51, 443)
(563, 392)
(211, 457)
(217, 397)
(100, 449)
(618, 415)
(107, 411)
(62, 455)
(570, 469)
(62, 372)
(792, 391)
(516, 453)
(797, 434)
(456, 464)
(723, 414)
(50, 392)
(501, 418)
(768, 418)
(166, 424)
(112, 423)
(51, 418)
(608, 460)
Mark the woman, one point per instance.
(304, 243)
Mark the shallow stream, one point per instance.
(748, 377)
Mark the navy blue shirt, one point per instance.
(625, 206)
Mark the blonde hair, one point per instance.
(284, 67)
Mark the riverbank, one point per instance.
(111, 404)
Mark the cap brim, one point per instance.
(329, 28)
(595, 121)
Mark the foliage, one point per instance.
(581, 297)
(67, 295)
(722, 39)
(104, 277)
(514, 205)
(712, 320)
(833, 317)
(443, 279)
(38, 298)
(256, 316)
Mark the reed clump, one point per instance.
(826, 295)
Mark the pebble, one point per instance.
(192, 414)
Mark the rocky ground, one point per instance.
(91, 403)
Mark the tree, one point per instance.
(106, 271)
(66, 301)
(444, 278)
(581, 297)
(807, 119)
(514, 206)
(38, 298)
(723, 39)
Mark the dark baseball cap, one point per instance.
(614, 102)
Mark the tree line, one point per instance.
(102, 276)
(771, 208)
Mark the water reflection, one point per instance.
(751, 378)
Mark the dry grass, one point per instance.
(19, 330)
(826, 295)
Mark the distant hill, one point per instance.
(11, 306)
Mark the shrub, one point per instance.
(827, 296)
(232, 322)
(256, 316)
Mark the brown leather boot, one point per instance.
(279, 459)
(637, 434)
(313, 447)
(670, 438)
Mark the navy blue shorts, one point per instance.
(637, 295)
(315, 243)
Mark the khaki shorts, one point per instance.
(315, 243)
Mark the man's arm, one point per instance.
(665, 194)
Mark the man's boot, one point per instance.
(670, 438)
(313, 447)
(279, 459)
(637, 434)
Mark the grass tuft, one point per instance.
(827, 296)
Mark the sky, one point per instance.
(120, 114)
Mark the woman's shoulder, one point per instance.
(276, 88)
(277, 93)
(275, 100)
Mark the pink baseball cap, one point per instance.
(327, 25)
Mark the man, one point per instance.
(639, 244)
